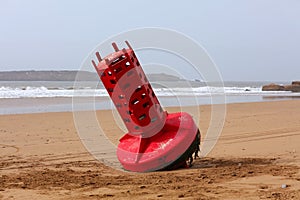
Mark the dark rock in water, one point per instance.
(295, 87)
(288, 87)
(273, 87)
(247, 90)
(296, 83)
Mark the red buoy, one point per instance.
(156, 140)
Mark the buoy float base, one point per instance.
(171, 148)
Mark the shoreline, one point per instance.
(68, 104)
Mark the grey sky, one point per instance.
(248, 40)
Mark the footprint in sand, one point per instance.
(8, 149)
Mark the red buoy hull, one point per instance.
(160, 150)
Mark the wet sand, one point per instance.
(257, 154)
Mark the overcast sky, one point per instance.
(248, 40)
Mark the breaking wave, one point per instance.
(39, 92)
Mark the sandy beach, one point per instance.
(256, 157)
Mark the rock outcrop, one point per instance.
(273, 87)
(296, 83)
(294, 87)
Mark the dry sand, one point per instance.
(42, 157)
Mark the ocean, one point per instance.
(18, 97)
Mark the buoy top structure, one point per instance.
(129, 89)
(156, 140)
